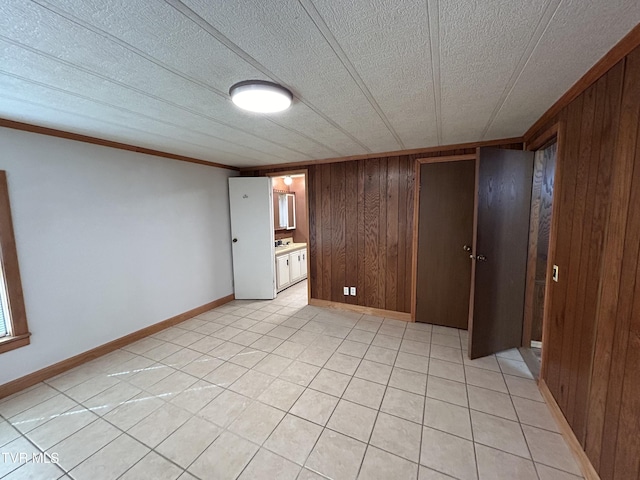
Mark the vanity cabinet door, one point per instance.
(303, 263)
(282, 271)
(294, 265)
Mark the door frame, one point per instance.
(304, 171)
(416, 217)
(555, 133)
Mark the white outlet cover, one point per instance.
(353, 291)
(346, 290)
(556, 273)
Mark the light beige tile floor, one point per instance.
(281, 390)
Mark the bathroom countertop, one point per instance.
(292, 247)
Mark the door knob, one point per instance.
(466, 248)
(481, 258)
(234, 240)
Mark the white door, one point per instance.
(283, 269)
(294, 262)
(303, 262)
(251, 205)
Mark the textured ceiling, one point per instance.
(367, 75)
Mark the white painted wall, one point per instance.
(109, 242)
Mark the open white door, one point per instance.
(252, 235)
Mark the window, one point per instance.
(4, 331)
(14, 332)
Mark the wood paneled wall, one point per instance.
(361, 231)
(592, 337)
(361, 227)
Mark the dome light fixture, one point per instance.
(260, 96)
(288, 180)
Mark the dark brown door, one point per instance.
(502, 232)
(445, 226)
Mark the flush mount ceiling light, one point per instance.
(288, 180)
(260, 96)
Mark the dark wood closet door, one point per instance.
(445, 226)
(502, 232)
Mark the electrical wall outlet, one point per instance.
(556, 273)
(353, 291)
(345, 290)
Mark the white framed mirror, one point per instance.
(282, 211)
(291, 211)
(285, 211)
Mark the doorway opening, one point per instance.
(291, 234)
(538, 268)
(470, 242)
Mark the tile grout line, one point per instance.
(226, 428)
(443, 431)
(153, 449)
(336, 406)
(122, 432)
(424, 406)
(295, 359)
(368, 444)
(110, 423)
(79, 403)
(23, 436)
(391, 414)
(280, 422)
(288, 412)
(373, 426)
(526, 442)
(473, 437)
(321, 367)
(253, 400)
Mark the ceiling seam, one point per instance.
(117, 107)
(324, 30)
(142, 92)
(542, 25)
(88, 117)
(304, 135)
(434, 48)
(127, 46)
(220, 37)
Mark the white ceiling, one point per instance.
(367, 75)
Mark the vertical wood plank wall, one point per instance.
(361, 227)
(593, 338)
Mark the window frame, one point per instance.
(16, 314)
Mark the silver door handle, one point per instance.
(481, 258)
(466, 248)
